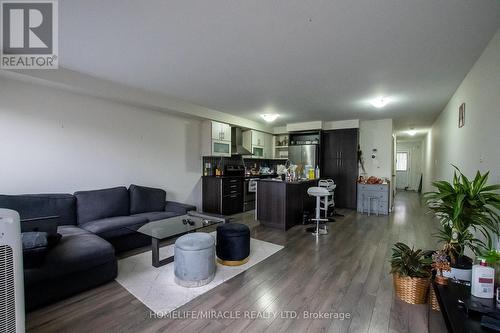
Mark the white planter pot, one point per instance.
(459, 274)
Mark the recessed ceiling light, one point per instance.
(380, 102)
(412, 132)
(269, 117)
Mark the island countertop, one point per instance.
(291, 182)
(281, 204)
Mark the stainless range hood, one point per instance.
(237, 142)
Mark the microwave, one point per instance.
(221, 148)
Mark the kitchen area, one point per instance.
(247, 170)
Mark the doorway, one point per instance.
(402, 169)
(409, 163)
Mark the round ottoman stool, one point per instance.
(194, 259)
(233, 244)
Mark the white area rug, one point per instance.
(155, 287)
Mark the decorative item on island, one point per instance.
(464, 207)
(440, 264)
(371, 180)
(292, 172)
(411, 271)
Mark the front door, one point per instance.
(402, 169)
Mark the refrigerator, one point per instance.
(304, 155)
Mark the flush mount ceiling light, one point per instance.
(269, 117)
(412, 132)
(380, 102)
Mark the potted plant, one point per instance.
(464, 208)
(411, 272)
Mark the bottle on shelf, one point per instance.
(207, 171)
(218, 170)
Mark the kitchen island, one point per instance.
(281, 204)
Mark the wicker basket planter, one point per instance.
(411, 289)
(433, 300)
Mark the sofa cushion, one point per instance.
(78, 250)
(114, 226)
(179, 208)
(146, 199)
(34, 240)
(41, 205)
(155, 216)
(100, 204)
(35, 247)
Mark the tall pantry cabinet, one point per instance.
(340, 163)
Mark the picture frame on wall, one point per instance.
(461, 115)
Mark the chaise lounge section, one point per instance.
(79, 261)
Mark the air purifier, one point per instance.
(11, 273)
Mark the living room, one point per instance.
(166, 174)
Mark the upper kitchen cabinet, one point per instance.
(221, 131)
(259, 143)
(268, 146)
(258, 138)
(216, 139)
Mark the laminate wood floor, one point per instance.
(345, 271)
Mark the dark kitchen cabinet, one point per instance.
(340, 162)
(222, 195)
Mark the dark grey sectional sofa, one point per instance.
(93, 227)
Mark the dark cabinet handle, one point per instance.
(233, 186)
(233, 196)
(234, 192)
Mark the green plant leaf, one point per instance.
(407, 261)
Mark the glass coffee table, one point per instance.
(172, 227)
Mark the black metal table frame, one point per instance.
(155, 242)
(155, 250)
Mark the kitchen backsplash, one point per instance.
(238, 160)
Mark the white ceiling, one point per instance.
(307, 60)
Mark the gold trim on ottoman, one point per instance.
(233, 262)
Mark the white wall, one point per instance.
(340, 124)
(428, 162)
(325, 125)
(476, 146)
(377, 134)
(305, 126)
(52, 140)
(85, 84)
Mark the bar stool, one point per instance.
(319, 193)
(369, 200)
(328, 201)
(377, 204)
